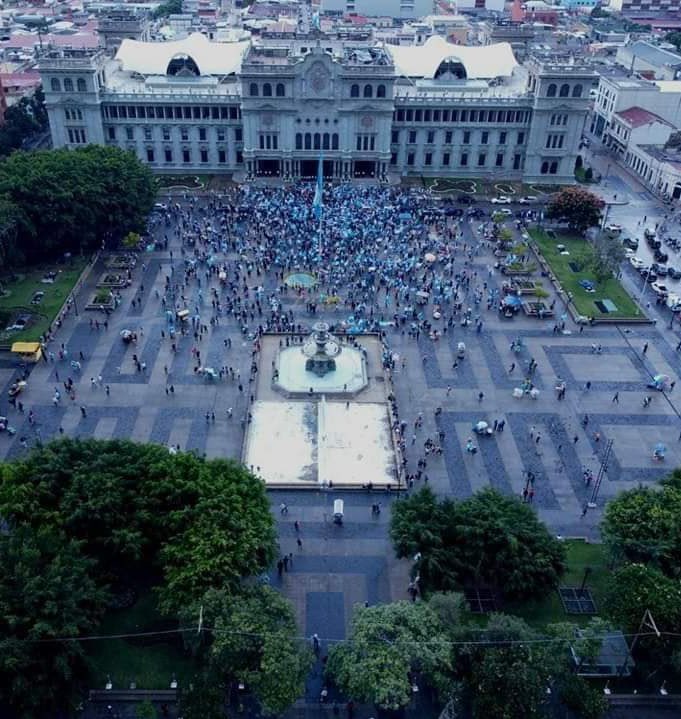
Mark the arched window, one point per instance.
(380, 91)
(80, 84)
(577, 91)
(267, 90)
(317, 141)
(68, 84)
(281, 90)
(253, 91)
(299, 141)
(308, 141)
(551, 92)
(354, 91)
(368, 91)
(325, 141)
(334, 141)
(544, 168)
(55, 84)
(565, 90)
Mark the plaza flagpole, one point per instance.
(317, 205)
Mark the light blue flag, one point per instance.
(317, 202)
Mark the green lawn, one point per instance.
(581, 253)
(20, 291)
(580, 555)
(150, 662)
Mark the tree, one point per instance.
(489, 539)
(204, 698)
(635, 588)
(608, 256)
(674, 38)
(145, 710)
(503, 672)
(644, 525)
(388, 641)
(227, 535)
(169, 7)
(578, 207)
(252, 639)
(46, 593)
(71, 200)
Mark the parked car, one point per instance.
(659, 289)
(528, 199)
(613, 229)
(631, 243)
(649, 233)
(674, 273)
(465, 199)
(658, 269)
(674, 302)
(501, 200)
(160, 207)
(637, 263)
(505, 211)
(660, 256)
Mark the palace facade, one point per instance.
(271, 108)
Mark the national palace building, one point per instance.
(271, 107)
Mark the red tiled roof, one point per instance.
(637, 117)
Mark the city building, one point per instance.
(373, 111)
(118, 25)
(649, 61)
(632, 7)
(406, 9)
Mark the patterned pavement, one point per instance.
(337, 568)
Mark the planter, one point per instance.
(113, 279)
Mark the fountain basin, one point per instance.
(348, 376)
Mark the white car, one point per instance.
(629, 254)
(527, 200)
(674, 302)
(659, 289)
(613, 228)
(505, 211)
(501, 200)
(637, 263)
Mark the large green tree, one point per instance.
(644, 525)
(47, 594)
(387, 642)
(635, 588)
(489, 539)
(228, 533)
(251, 638)
(578, 207)
(131, 515)
(73, 200)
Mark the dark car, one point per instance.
(674, 273)
(465, 200)
(659, 270)
(630, 243)
(660, 256)
(647, 273)
(453, 212)
(477, 213)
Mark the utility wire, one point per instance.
(213, 630)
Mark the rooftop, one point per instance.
(433, 57)
(653, 54)
(209, 58)
(638, 117)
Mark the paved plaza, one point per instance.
(337, 567)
